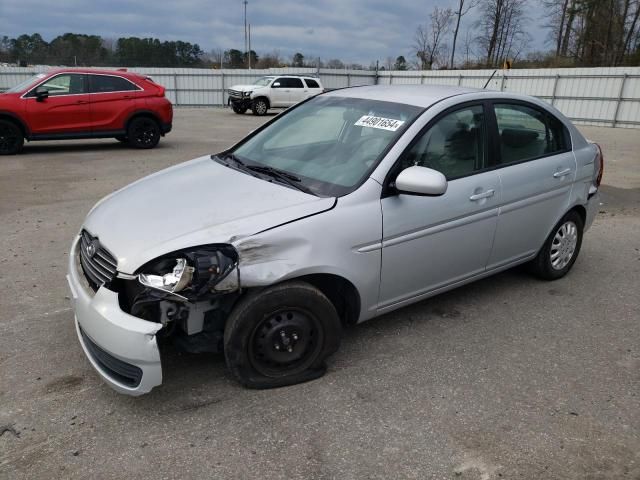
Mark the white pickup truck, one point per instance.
(273, 92)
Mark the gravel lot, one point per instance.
(506, 378)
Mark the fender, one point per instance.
(17, 118)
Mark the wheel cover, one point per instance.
(9, 138)
(261, 107)
(145, 132)
(563, 245)
(285, 342)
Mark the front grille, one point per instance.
(98, 265)
(121, 372)
(235, 94)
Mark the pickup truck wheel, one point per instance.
(11, 139)
(239, 110)
(143, 132)
(259, 107)
(281, 336)
(560, 250)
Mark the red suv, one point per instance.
(72, 104)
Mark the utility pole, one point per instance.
(249, 46)
(245, 26)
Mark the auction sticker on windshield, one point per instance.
(379, 122)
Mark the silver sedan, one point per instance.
(351, 204)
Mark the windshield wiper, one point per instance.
(281, 175)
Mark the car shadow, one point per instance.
(94, 146)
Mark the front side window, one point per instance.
(330, 143)
(454, 145)
(65, 84)
(108, 83)
(527, 133)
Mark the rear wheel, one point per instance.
(11, 138)
(561, 249)
(239, 109)
(281, 336)
(260, 107)
(143, 132)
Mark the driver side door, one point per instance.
(280, 93)
(433, 242)
(65, 111)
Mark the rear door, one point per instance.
(537, 169)
(65, 111)
(113, 99)
(313, 87)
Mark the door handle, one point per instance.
(480, 196)
(562, 173)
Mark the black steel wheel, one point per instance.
(11, 138)
(143, 132)
(281, 336)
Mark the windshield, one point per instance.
(329, 143)
(263, 82)
(24, 84)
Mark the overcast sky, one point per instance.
(352, 30)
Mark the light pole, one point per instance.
(245, 26)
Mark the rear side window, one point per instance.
(454, 145)
(108, 83)
(527, 133)
(311, 83)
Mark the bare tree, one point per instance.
(502, 29)
(463, 8)
(428, 39)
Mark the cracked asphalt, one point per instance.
(509, 377)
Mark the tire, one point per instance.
(11, 138)
(560, 250)
(260, 107)
(143, 132)
(122, 139)
(281, 336)
(238, 109)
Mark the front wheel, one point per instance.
(143, 132)
(11, 138)
(281, 336)
(260, 107)
(561, 249)
(240, 110)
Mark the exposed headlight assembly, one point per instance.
(190, 273)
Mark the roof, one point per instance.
(123, 73)
(418, 95)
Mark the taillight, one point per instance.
(599, 165)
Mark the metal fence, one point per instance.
(591, 96)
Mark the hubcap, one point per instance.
(564, 245)
(285, 343)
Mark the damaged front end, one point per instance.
(190, 292)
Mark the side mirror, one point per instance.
(42, 93)
(421, 181)
(275, 85)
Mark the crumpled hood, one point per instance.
(245, 88)
(194, 203)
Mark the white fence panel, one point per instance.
(595, 96)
